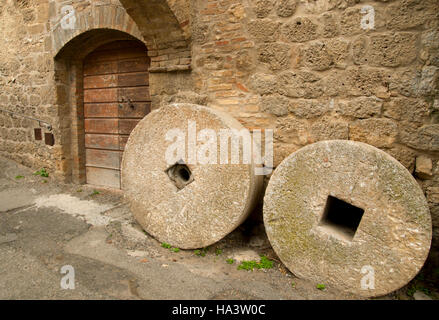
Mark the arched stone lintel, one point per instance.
(167, 47)
(163, 20)
(102, 17)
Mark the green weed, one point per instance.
(264, 263)
(201, 252)
(43, 173)
(321, 287)
(166, 245)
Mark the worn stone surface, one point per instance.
(15, 198)
(393, 236)
(217, 199)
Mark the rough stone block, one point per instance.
(275, 104)
(423, 138)
(290, 130)
(300, 30)
(323, 55)
(316, 57)
(264, 30)
(263, 8)
(330, 25)
(309, 109)
(286, 8)
(327, 129)
(350, 21)
(361, 108)
(424, 167)
(376, 132)
(359, 81)
(276, 55)
(414, 112)
(392, 50)
(263, 83)
(300, 84)
(410, 13)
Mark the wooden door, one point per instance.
(116, 98)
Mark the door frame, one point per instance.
(70, 99)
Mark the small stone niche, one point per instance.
(341, 217)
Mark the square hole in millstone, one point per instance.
(341, 217)
(180, 174)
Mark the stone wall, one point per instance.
(40, 61)
(314, 70)
(310, 69)
(26, 81)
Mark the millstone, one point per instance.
(348, 215)
(186, 204)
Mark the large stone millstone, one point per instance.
(186, 205)
(348, 215)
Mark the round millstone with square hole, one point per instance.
(348, 215)
(177, 195)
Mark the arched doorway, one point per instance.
(97, 25)
(116, 97)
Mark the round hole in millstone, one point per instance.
(188, 205)
(348, 215)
